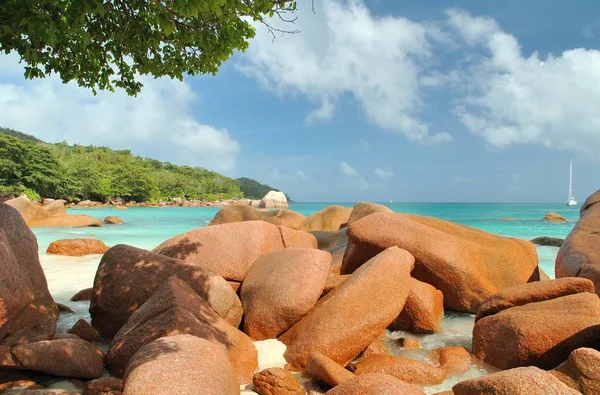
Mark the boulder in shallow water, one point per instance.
(273, 199)
(362, 209)
(112, 220)
(331, 218)
(454, 359)
(228, 250)
(64, 357)
(56, 207)
(77, 247)
(30, 211)
(66, 221)
(84, 294)
(581, 371)
(350, 317)
(240, 213)
(468, 265)
(554, 217)
(277, 381)
(84, 330)
(103, 386)
(548, 241)
(375, 384)
(523, 294)
(541, 334)
(280, 288)
(175, 309)
(181, 364)
(423, 311)
(526, 380)
(408, 370)
(127, 276)
(27, 312)
(579, 255)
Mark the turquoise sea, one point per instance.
(147, 227)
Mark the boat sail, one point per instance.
(571, 201)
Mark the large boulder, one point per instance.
(176, 309)
(273, 199)
(292, 238)
(350, 317)
(375, 384)
(64, 357)
(581, 371)
(77, 247)
(527, 380)
(362, 209)
(27, 311)
(538, 291)
(280, 288)
(30, 211)
(579, 255)
(468, 265)
(330, 218)
(127, 276)
(541, 334)
(423, 311)
(228, 250)
(240, 213)
(181, 364)
(409, 370)
(66, 221)
(56, 207)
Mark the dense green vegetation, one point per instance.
(100, 173)
(253, 189)
(103, 44)
(20, 135)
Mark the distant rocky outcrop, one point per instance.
(579, 256)
(554, 217)
(273, 199)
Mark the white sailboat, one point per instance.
(571, 201)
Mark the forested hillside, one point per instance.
(77, 172)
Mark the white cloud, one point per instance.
(348, 170)
(384, 174)
(301, 175)
(344, 49)
(513, 99)
(157, 121)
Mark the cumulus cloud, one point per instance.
(348, 170)
(510, 98)
(384, 174)
(157, 122)
(345, 50)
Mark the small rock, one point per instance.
(554, 217)
(84, 330)
(103, 386)
(548, 241)
(84, 294)
(326, 370)
(276, 381)
(454, 359)
(64, 308)
(409, 343)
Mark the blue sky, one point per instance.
(475, 101)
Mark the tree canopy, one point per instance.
(76, 172)
(103, 44)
